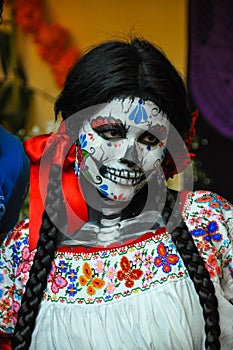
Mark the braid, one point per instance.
(41, 267)
(198, 274)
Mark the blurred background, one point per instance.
(41, 39)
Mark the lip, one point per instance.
(123, 176)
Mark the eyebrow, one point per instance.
(103, 122)
(158, 130)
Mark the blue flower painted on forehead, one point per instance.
(138, 113)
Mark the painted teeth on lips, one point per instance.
(126, 174)
(124, 177)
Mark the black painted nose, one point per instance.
(130, 157)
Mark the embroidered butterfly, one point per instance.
(138, 113)
(215, 201)
(209, 233)
(128, 273)
(90, 280)
(165, 259)
(58, 282)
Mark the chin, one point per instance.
(122, 193)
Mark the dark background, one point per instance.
(210, 84)
(215, 160)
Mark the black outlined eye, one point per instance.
(110, 132)
(148, 139)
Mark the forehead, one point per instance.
(131, 112)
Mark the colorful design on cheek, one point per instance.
(103, 189)
(82, 140)
(215, 201)
(91, 136)
(138, 113)
(79, 165)
(209, 233)
(119, 197)
(164, 259)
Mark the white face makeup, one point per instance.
(120, 146)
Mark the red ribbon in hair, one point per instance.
(43, 151)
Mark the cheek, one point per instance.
(150, 157)
(100, 149)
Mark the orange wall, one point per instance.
(164, 22)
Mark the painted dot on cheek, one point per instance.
(148, 148)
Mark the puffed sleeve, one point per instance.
(15, 262)
(209, 218)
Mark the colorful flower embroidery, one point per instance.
(111, 273)
(62, 266)
(209, 233)
(99, 266)
(212, 266)
(72, 290)
(164, 259)
(111, 287)
(138, 258)
(214, 201)
(72, 275)
(128, 273)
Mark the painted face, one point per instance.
(118, 148)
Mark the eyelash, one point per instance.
(121, 134)
(103, 133)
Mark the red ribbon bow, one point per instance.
(43, 151)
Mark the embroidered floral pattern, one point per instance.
(214, 201)
(100, 276)
(208, 223)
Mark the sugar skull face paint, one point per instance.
(118, 148)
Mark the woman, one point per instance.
(121, 261)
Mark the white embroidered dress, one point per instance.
(135, 296)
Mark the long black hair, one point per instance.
(133, 68)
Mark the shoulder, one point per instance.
(15, 262)
(209, 218)
(206, 203)
(15, 244)
(18, 234)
